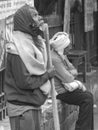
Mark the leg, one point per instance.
(28, 120)
(85, 101)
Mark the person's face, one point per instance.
(36, 17)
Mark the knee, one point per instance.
(89, 99)
(90, 96)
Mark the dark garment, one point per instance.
(30, 120)
(85, 101)
(19, 85)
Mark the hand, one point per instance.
(81, 85)
(71, 86)
(51, 72)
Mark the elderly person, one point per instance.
(70, 90)
(27, 82)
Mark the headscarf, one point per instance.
(60, 41)
(24, 22)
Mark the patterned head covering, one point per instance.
(24, 22)
(60, 41)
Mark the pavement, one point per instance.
(5, 125)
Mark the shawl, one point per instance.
(24, 22)
(26, 42)
(34, 59)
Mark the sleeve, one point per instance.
(22, 78)
(61, 70)
(71, 67)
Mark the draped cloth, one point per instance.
(26, 42)
(34, 60)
